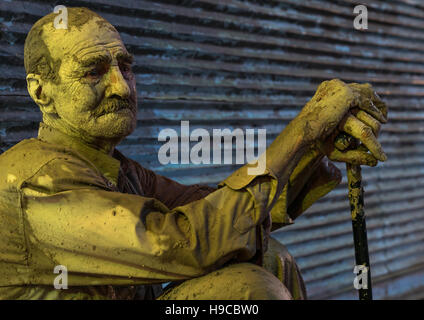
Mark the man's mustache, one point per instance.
(113, 105)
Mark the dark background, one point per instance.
(254, 64)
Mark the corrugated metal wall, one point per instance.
(254, 64)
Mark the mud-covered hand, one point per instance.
(354, 109)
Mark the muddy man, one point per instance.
(69, 198)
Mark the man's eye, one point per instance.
(96, 72)
(93, 73)
(125, 68)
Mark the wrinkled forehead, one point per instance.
(94, 37)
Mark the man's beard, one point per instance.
(110, 105)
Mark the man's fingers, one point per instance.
(358, 156)
(361, 131)
(369, 101)
(368, 106)
(370, 121)
(355, 157)
(343, 141)
(380, 104)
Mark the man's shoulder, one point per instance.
(25, 158)
(30, 152)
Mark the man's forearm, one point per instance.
(290, 146)
(302, 173)
(281, 158)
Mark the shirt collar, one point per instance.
(107, 165)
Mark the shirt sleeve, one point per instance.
(106, 237)
(313, 177)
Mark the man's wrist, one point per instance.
(306, 126)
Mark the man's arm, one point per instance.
(313, 177)
(105, 237)
(300, 150)
(335, 107)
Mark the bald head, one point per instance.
(39, 56)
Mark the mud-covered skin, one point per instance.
(94, 96)
(332, 110)
(38, 59)
(354, 109)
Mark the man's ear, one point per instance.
(38, 90)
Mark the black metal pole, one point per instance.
(356, 200)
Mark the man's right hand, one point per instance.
(351, 108)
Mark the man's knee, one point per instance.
(281, 264)
(241, 281)
(256, 283)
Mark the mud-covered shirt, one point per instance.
(121, 230)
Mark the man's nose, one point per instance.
(117, 84)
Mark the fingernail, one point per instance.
(371, 162)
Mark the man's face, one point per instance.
(96, 95)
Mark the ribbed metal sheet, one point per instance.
(250, 64)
